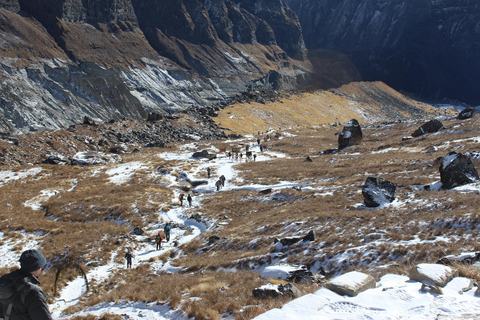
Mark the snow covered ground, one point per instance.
(395, 296)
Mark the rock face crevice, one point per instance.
(63, 59)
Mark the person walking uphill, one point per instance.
(167, 230)
(180, 197)
(189, 199)
(158, 241)
(21, 298)
(128, 257)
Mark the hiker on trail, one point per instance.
(208, 172)
(229, 155)
(218, 184)
(189, 199)
(129, 257)
(24, 299)
(261, 148)
(180, 197)
(167, 229)
(158, 241)
(222, 180)
(258, 141)
(254, 157)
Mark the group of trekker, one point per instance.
(189, 199)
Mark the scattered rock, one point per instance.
(467, 258)
(310, 236)
(431, 288)
(120, 148)
(138, 231)
(265, 191)
(89, 158)
(213, 239)
(433, 274)
(154, 144)
(308, 159)
(302, 275)
(153, 116)
(351, 283)
(466, 113)
(378, 191)
(57, 159)
(429, 127)
(350, 135)
(456, 170)
(88, 121)
(276, 291)
(10, 138)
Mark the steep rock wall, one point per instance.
(63, 59)
(429, 47)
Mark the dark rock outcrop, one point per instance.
(466, 113)
(204, 154)
(276, 291)
(456, 170)
(350, 135)
(378, 191)
(429, 127)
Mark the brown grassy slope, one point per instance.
(364, 101)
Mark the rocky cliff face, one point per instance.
(63, 59)
(430, 47)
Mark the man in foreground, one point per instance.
(21, 298)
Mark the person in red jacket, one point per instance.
(158, 241)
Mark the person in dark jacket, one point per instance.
(189, 199)
(28, 301)
(129, 257)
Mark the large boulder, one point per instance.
(351, 283)
(429, 127)
(466, 113)
(433, 274)
(378, 191)
(204, 154)
(350, 135)
(456, 170)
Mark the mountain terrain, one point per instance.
(109, 197)
(427, 47)
(65, 59)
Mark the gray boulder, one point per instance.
(378, 191)
(350, 135)
(457, 169)
(138, 231)
(432, 274)
(429, 127)
(351, 283)
(204, 154)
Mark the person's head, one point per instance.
(32, 261)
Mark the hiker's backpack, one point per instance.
(159, 239)
(167, 229)
(10, 288)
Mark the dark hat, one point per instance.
(32, 260)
